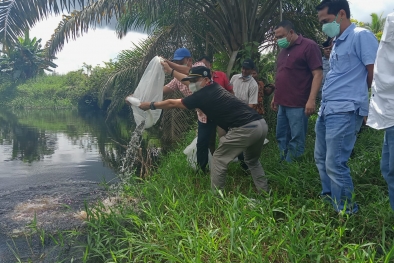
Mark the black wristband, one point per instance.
(172, 72)
(152, 105)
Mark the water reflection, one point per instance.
(57, 158)
(32, 136)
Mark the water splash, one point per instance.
(128, 161)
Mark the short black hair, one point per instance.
(334, 6)
(328, 42)
(287, 25)
(206, 58)
(256, 69)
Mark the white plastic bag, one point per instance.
(134, 101)
(191, 154)
(149, 89)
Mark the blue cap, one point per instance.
(181, 53)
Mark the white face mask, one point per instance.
(195, 86)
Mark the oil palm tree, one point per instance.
(376, 25)
(26, 59)
(231, 24)
(204, 26)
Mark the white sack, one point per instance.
(191, 154)
(149, 89)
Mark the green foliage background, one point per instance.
(54, 91)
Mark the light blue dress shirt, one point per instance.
(345, 88)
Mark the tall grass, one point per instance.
(174, 217)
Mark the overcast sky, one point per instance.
(102, 44)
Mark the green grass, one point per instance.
(173, 216)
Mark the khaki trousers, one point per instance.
(248, 139)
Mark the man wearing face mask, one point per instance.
(246, 89)
(344, 101)
(298, 79)
(217, 76)
(244, 86)
(181, 63)
(246, 128)
(220, 78)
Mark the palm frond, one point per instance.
(17, 17)
(79, 22)
(147, 15)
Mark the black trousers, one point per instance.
(205, 131)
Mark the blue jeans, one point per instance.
(335, 138)
(203, 138)
(387, 162)
(291, 128)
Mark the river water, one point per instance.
(51, 163)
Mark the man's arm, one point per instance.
(178, 75)
(164, 105)
(167, 90)
(310, 106)
(180, 68)
(366, 50)
(370, 75)
(274, 106)
(268, 89)
(253, 95)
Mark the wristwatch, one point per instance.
(152, 105)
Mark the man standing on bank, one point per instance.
(381, 107)
(344, 101)
(246, 129)
(247, 90)
(182, 62)
(298, 79)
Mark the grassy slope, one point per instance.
(173, 217)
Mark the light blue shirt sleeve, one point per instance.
(366, 47)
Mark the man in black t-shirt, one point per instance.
(246, 128)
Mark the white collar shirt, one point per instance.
(381, 107)
(245, 90)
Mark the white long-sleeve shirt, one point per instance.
(381, 107)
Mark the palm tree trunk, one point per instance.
(231, 62)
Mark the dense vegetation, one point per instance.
(233, 29)
(76, 88)
(174, 217)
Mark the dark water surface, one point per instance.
(51, 162)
